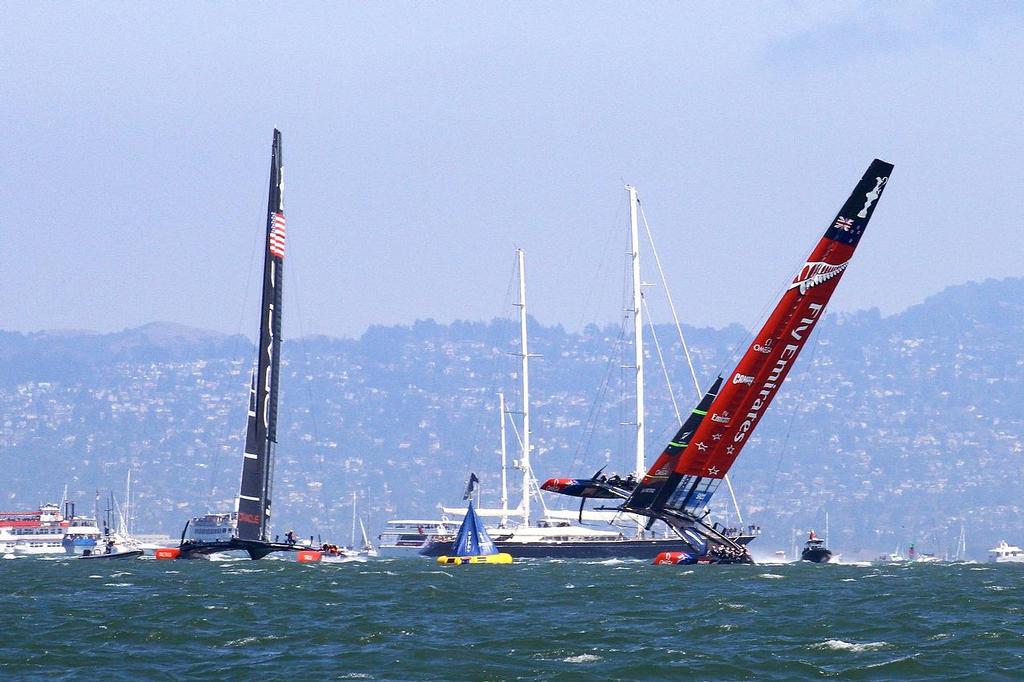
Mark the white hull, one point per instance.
(35, 549)
(1005, 553)
(395, 552)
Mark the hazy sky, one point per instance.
(423, 142)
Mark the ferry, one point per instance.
(47, 531)
(1004, 553)
(213, 528)
(36, 532)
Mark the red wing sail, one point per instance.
(749, 390)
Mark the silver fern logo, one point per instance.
(815, 273)
(872, 196)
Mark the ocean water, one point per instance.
(533, 620)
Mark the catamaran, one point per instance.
(680, 484)
(248, 527)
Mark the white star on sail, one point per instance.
(717, 436)
(702, 447)
(712, 471)
(730, 449)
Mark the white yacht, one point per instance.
(1004, 553)
(81, 536)
(406, 537)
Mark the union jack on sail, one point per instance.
(277, 235)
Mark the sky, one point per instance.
(424, 142)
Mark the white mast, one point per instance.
(124, 527)
(504, 472)
(638, 330)
(353, 545)
(525, 463)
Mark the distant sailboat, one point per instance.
(248, 528)
(680, 484)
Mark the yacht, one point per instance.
(560, 539)
(82, 536)
(406, 537)
(1004, 553)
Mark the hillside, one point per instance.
(898, 426)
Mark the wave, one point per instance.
(840, 645)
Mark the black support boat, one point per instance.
(815, 550)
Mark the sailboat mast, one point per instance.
(255, 491)
(524, 349)
(353, 544)
(504, 467)
(126, 508)
(638, 330)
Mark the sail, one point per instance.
(748, 391)
(661, 479)
(261, 436)
(472, 539)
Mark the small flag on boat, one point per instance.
(277, 234)
(473, 480)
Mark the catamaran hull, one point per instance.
(254, 548)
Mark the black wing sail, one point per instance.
(661, 480)
(261, 437)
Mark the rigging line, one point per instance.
(672, 394)
(671, 304)
(596, 407)
(215, 469)
(317, 454)
(661, 361)
(600, 273)
(792, 415)
(735, 504)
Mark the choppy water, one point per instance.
(408, 620)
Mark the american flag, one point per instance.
(277, 235)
